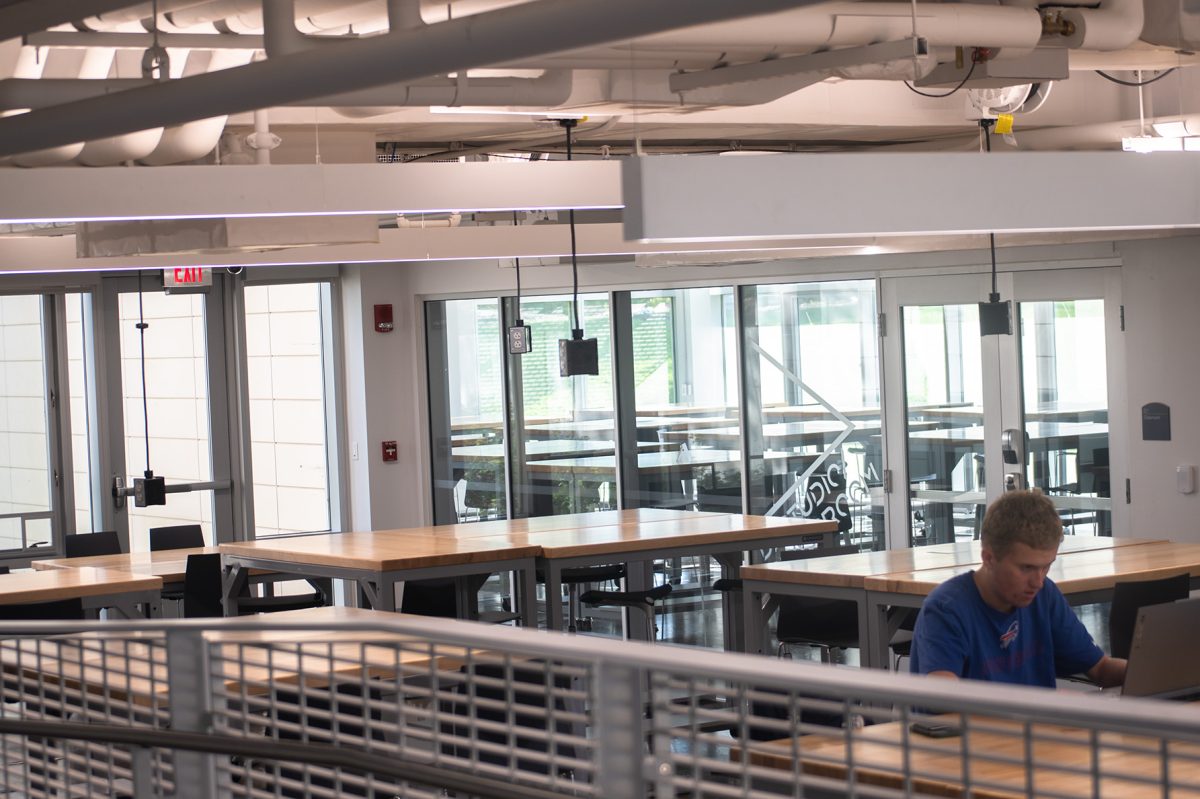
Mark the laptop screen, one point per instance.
(1164, 658)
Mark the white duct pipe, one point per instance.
(548, 91)
(192, 140)
(112, 150)
(31, 63)
(1115, 25)
(453, 220)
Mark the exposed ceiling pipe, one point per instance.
(129, 40)
(280, 36)
(1115, 25)
(110, 150)
(31, 62)
(404, 15)
(551, 90)
(133, 12)
(192, 140)
(18, 19)
(520, 32)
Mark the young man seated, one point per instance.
(1006, 621)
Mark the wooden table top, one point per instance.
(713, 529)
(1037, 431)
(55, 584)
(542, 449)
(383, 551)
(853, 571)
(169, 564)
(1073, 572)
(935, 765)
(562, 521)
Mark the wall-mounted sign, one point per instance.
(187, 276)
(1156, 422)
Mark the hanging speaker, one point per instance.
(995, 318)
(578, 355)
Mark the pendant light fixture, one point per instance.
(520, 337)
(995, 316)
(576, 355)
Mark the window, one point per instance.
(286, 386)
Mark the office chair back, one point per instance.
(824, 623)
(202, 593)
(1129, 597)
(179, 536)
(437, 597)
(82, 545)
(71, 609)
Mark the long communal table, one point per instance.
(131, 595)
(1086, 569)
(379, 561)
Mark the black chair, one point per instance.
(179, 536)
(71, 609)
(644, 601)
(1130, 597)
(4, 570)
(82, 545)
(202, 593)
(439, 598)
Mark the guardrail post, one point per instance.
(189, 693)
(620, 731)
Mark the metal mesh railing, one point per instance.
(418, 707)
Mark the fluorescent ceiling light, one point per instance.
(1151, 144)
(1177, 129)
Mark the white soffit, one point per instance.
(176, 192)
(715, 198)
(57, 253)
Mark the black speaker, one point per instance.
(149, 490)
(995, 318)
(578, 355)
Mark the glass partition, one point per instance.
(1065, 397)
(812, 395)
(944, 402)
(466, 410)
(567, 462)
(685, 388)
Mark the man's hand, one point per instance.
(1108, 672)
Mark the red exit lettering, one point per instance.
(188, 274)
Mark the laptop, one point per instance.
(1164, 658)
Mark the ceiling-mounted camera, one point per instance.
(235, 270)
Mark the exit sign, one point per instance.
(187, 276)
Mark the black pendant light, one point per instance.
(576, 355)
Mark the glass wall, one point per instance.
(285, 368)
(812, 388)
(466, 405)
(567, 462)
(685, 390)
(1065, 397)
(944, 411)
(177, 403)
(80, 371)
(25, 466)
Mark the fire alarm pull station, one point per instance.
(389, 451)
(383, 319)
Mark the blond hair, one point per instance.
(1021, 517)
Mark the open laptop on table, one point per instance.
(1164, 658)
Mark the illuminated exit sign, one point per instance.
(187, 276)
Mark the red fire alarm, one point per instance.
(383, 320)
(389, 451)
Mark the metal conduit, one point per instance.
(534, 29)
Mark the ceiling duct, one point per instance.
(106, 239)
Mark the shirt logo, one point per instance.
(1010, 634)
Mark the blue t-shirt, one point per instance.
(958, 632)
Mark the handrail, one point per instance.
(393, 765)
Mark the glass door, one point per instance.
(971, 416)
(168, 416)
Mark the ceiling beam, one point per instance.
(532, 29)
(67, 194)
(713, 198)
